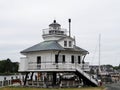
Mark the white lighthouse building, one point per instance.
(57, 61)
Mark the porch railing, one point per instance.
(49, 31)
(25, 65)
(63, 66)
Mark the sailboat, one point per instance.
(99, 58)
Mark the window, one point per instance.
(63, 58)
(72, 59)
(38, 62)
(70, 43)
(65, 43)
(60, 59)
(56, 58)
(79, 59)
(38, 59)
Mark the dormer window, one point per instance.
(65, 43)
(70, 44)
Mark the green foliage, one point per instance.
(109, 65)
(6, 66)
(117, 67)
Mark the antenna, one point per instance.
(69, 20)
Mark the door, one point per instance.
(38, 62)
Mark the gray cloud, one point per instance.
(22, 21)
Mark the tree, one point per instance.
(6, 66)
(117, 67)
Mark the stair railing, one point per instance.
(87, 75)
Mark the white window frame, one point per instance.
(65, 43)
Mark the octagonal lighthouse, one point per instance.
(54, 32)
(56, 60)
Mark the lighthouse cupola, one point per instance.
(54, 32)
(54, 26)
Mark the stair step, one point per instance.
(86, 77)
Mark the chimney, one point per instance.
(69, 20)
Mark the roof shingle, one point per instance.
(43, 46)
(52, 45)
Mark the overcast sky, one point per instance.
(22, 21)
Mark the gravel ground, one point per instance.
(113, 86)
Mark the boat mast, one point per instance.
(99, 52)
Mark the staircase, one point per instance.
(87, 79)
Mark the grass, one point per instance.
(26, 88)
